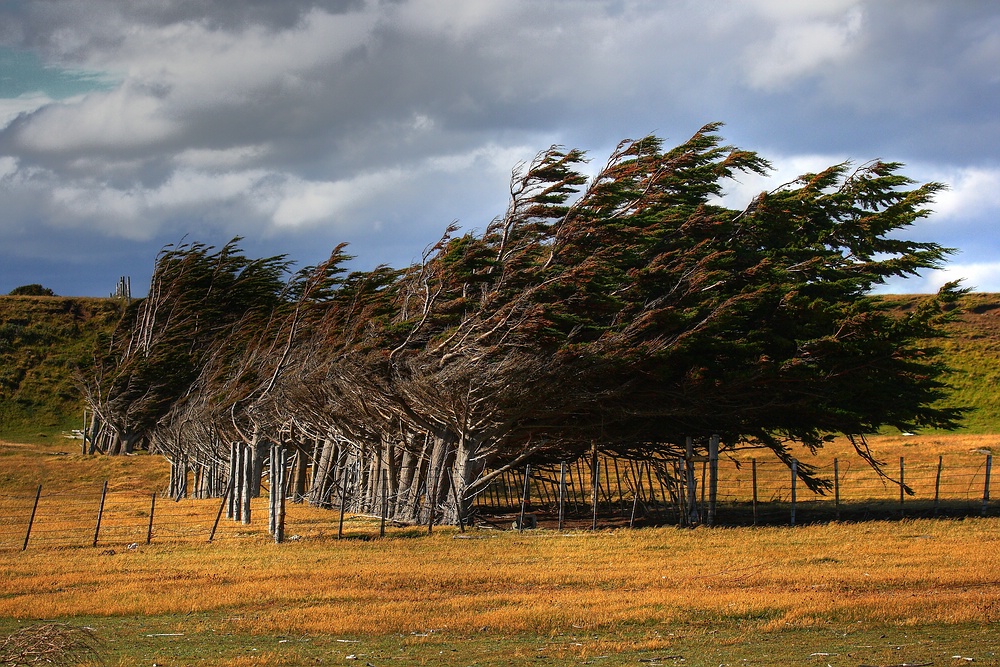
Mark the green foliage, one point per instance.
(198, 296)
(31, 290)
(630, 309)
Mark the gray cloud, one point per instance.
(301, 124)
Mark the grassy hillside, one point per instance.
(973, 351)
(42, 341)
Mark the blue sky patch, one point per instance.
(22, 73)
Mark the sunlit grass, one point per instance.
(772, 595)
(910, 573)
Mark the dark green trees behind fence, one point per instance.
(630, 310)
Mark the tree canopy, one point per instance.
(33, 289)
(632, 309)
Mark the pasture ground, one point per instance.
(878, 593)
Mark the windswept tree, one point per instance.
(630, 311)
(197, 295)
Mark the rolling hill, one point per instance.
(44, 340)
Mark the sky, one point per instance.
(301, 124)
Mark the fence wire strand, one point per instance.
(626, 490)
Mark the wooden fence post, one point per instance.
(385, 503)
(248, 484)
(562, 495)
(795, 477)
(272, 496)
(31, 521)
(152, 508)
(276, 492)
(607, 486)
(692, 489)
(343, 501)
(713, 477)
(280, 479)
(636, 490)
(704, 485)
(836, 486)
(595, 489)
(524, 498)
(231, 506)
(100, 512)
(595, 479)
(753, 473)
(937, 485)
(986, 486)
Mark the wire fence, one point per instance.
(622, 492)
(747, 492)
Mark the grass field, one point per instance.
(911, 592)
(879, 593)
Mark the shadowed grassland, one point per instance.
(973, 352)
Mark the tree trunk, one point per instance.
(299, 476)
(319, 494)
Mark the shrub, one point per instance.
(32, 290)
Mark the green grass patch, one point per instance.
(209, 640)
(43, 342)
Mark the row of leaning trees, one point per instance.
(629, 311)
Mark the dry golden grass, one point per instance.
(903, 573)
(570, 597)
(59, 465)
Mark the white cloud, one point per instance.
(355, 201)
(973, 192)
(198, 67)
(104, 210)
(457, 20)
(785, 168)
(800, 48)
(8, 166)
(114, 120)
(796, 10)
(173, 73)
(303, 203)
(492, 158)
(12, 107)
(978, 276)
